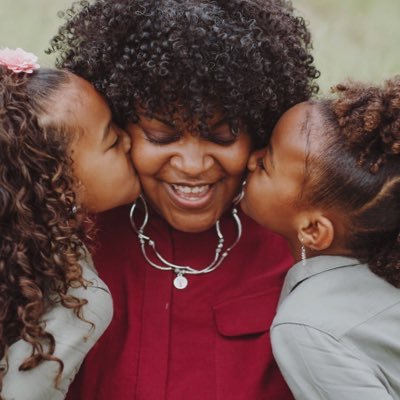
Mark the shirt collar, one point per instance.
(313, 266)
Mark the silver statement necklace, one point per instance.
(180, 281)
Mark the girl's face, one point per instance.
(99, 151)
(188, 179)
(276, 174)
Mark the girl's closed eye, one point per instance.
(116, 141)
(261, 165)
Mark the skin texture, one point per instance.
(100, 150)
(189, 179)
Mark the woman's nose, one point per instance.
(192, 156)
(253, 160)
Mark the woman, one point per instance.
(198, 84)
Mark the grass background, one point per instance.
(352, 38)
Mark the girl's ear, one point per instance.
(316, 231)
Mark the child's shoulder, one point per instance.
(338, 300)
(96, 292)
(73, 336)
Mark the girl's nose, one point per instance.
(254, 157)
(126, 141)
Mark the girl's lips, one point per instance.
(186, 196)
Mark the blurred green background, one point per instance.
(352, 38)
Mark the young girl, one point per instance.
(329, 181)
(61, 156)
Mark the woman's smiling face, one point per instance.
(188, 178)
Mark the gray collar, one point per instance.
(314, 266)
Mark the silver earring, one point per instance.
(73, 211)
(240, 196)
(303, 253)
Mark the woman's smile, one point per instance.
(191, 195)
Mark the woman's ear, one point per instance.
(316, 231)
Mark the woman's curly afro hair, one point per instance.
(248, 59)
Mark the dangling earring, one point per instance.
(240, 196)
(73, 211)
(75, 208)
(303, 253)
(72, 215)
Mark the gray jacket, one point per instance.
(73, 337)
(336, 335)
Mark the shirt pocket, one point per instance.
(245, 368)
(247, 315)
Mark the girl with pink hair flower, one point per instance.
(61, 158)
(18, 60)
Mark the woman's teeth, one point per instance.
(191, 190)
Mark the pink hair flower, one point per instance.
(18, 60)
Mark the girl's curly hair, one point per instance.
(249, 59)
(359, 171)
(40, 240)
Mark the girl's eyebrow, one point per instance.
(270, 151)
(106, 131)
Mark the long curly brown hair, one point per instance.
(40, 238)
(358, 171)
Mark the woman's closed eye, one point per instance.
(222, 140)
(224, 137)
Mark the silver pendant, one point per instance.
(180, 282)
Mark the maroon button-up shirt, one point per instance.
(209, 341)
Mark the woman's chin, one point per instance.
(191, 223)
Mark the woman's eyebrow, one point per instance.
(171, 124)
(222, 121)
(165, 122)
(219, 123)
